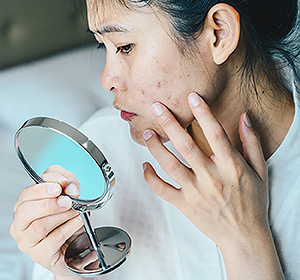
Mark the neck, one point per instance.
(271, 112)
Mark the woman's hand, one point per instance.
(44, 220)
(224, 195)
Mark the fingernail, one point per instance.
(64, 202)
(147, 134)
(72, 190)
(194, 99)
(53, 189)
(247, 120)
(157, 109)
(145, 166)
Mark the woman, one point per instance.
(195, 72)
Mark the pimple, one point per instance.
(160, 84)
(176, 103)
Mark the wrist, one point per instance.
(252, 256)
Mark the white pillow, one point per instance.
(66, 86)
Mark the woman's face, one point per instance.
(144, 65)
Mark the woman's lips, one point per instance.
(127, 116)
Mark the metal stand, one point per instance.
(93, 238)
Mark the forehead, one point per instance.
(102, 12)
(113, 16)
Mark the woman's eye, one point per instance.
(101, 46)
(125, 49)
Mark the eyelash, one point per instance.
(126, 49)
(100, 46)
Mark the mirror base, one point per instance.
(82, 260)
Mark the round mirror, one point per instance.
(42, 142)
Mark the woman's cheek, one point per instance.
(182, 111)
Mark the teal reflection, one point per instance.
(43, 147)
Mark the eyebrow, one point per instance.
(110, 29)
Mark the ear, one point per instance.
(223, 27)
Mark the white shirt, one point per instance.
(165, 244)
(284, 191)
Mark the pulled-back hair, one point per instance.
(268, 30)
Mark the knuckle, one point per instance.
(186, 147)
(237, 166)
(54, 168)
(171, 166)
(20, 213)
(161, 192)
(39, 227)
(47, 205)
(219, 134)
(59, 234)
(70, 176)
(218, 185)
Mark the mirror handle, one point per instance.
(93, 238)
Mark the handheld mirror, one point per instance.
(42, 142)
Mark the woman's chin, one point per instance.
(137, 137)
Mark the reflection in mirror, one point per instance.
(43, 147)
(82, 259)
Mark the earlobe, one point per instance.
(224, 26)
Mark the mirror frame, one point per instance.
(86, 144)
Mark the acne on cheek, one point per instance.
(161, 84)
(175, 104)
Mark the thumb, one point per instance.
(252, 149)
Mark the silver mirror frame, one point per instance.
(86, 144)
(110, 245)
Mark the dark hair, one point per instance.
(266, 27)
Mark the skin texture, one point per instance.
(150, 77)
(168, 77)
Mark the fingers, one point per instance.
(212, 129)
(54, 241)
(72, 187)
(252, 148)
(168, 162)
(90, 261)
(161, 188)
(181, 140)
(40, 228)
(53, 188)
(58, 180)
(40, 191)
(28, 211)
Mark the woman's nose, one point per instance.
(112, 77)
